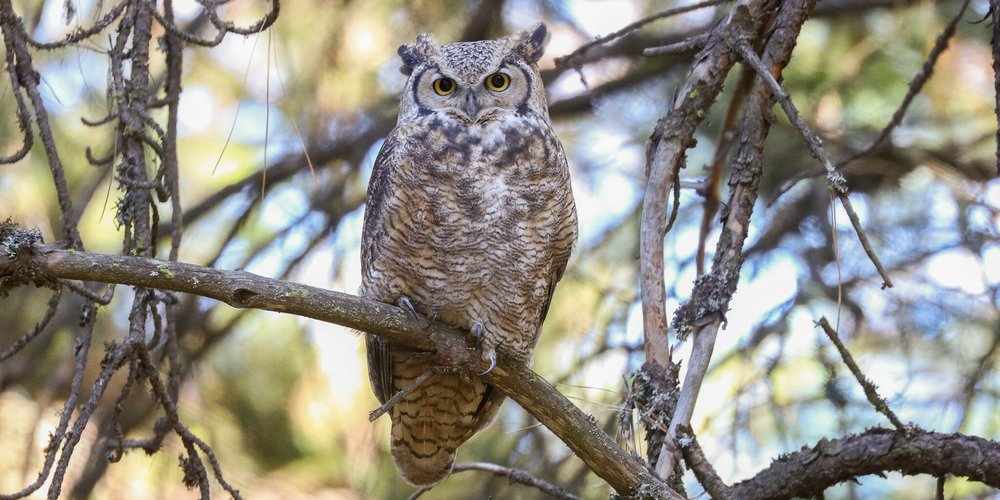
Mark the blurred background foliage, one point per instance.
(284, 400)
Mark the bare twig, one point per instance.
(117, 451)
(170, 407)
(983, 367)
(223, 27)
(515, 475)
(689, 45)
(23, 340)
(878, 402)
(175, 63)
(79, 34)
(396, 398)
(570, 58)
(835, 179)
(108, 367)
(915, 86)
(23, 116)
(81, 290)
(261, 25)
(15, 41)
(80, 351)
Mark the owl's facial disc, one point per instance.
(472, 98)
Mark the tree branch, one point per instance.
(42, 264)
(515, 475)
(808, 472)
(674, 133)
(705, 313)
(570, 58)
(836, 180)
(878, 402)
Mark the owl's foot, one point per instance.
(405, 304)
(477, 329)
(488, 354)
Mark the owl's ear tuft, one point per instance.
(413, 54)
(533, 41)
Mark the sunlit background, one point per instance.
(284, 400)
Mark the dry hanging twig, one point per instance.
(878, 402)
(515, 475)
(837, 182)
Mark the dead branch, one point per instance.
(914, 88)
(705, 313)
(571, 58)
(835, 179)
(515, 476)
(916, 84)
(665, 156)
(878, 402)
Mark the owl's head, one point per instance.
(474, 81)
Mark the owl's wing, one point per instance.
(377, 192)
(559, 261)
(379, 351)
(554, 278)
(379, 367)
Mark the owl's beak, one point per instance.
(471, 106)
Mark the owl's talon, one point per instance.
(478, 330)
(492, 356)
(405, 304)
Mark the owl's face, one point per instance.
(474, 82)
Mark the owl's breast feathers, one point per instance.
(498, 189)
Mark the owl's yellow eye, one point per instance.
(444, 86)
(498, 82)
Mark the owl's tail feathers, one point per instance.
(421, 469)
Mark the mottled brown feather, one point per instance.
(470, 216)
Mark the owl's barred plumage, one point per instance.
(470, 217)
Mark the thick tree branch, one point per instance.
(810, 471)
(705, 313)
(43, 264)
(674, 133)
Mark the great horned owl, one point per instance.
(470, 220)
